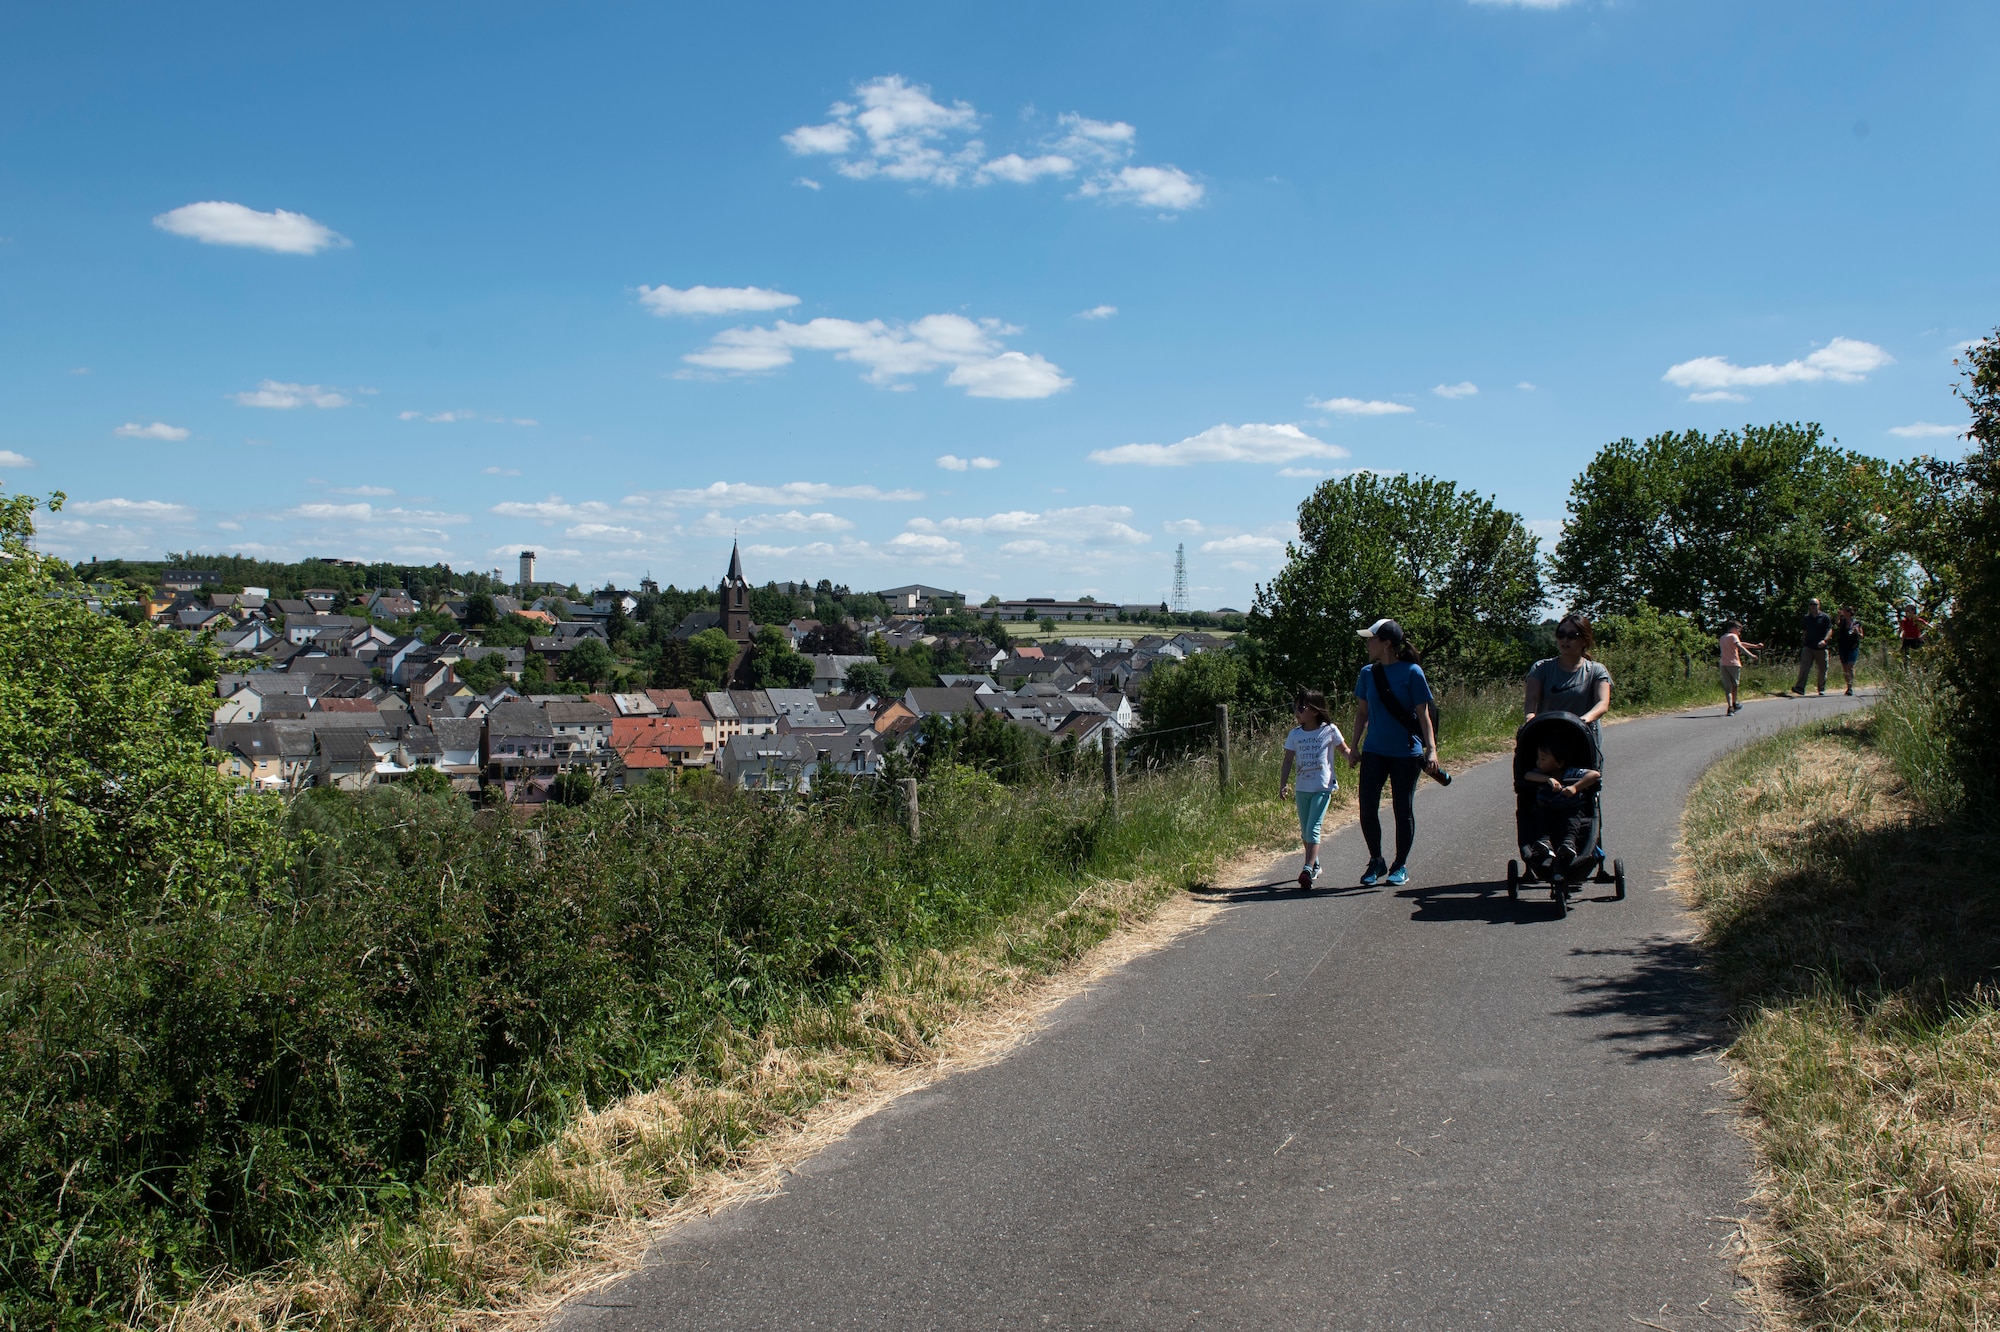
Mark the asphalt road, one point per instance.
(1417, 1108)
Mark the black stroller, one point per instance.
(1569, 738)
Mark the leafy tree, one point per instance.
(109, 795)
(836, 639)
(1048, 624)
(996, 633)
(1973, 631)
(867, 677)
(714, 652)
(1747, 525)
(1181, 698)
(574, 787)
(1460, 574)
(514, 631)
(617, 625)
(773, 663)
(590, 662)
(482, 674)
(480, 610)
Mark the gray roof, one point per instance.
(926, 701)
(518, 717)
(457, 732)
(580, 713)
(752, 704)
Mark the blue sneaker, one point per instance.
(1373, 874)
(1399, 876)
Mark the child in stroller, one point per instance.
(1563, 806)
(1558, 808)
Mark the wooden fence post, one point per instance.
(1222, 745)
(1110, 747)
(909, 785)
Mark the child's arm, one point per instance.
(1342, 748)
(1536, 775)
(1586, 782)
(1285, 773)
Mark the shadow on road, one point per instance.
(1665, 1008)
(1277, 891)
(1485, 901)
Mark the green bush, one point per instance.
(426, 990)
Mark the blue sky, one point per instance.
(1009, 298)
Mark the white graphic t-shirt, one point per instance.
(1313, 752)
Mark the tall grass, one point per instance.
(1918, 721)
(1856, 934)
(430, 994)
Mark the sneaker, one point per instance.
(1850, 693)
(1399, 876)
(1373, 874)
(1313, 869)
(1822, 693)
(1305, 881)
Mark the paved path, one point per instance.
(1423, 1108)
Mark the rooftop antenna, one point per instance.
(1180, 579)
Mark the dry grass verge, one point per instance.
(1858, 941)
(581, 1210)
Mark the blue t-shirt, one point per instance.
(1412, 690)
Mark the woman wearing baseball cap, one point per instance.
(1391, 748)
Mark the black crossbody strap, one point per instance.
(1399, 714)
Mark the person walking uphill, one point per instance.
(1390, 750)
(1311, 745)
(1815, 631)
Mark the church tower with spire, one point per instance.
(736, 600)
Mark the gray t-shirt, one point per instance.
(1564, 690)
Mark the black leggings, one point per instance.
(1401, 774)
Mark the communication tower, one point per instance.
(1180, 579)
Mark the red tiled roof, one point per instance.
(647, 742)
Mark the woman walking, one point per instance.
(1847, 642)
(1311, 745)
(1391, 748)
(1570, 681)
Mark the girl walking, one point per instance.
(1310, 747)
(1733, 650)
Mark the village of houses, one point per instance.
(307, 697)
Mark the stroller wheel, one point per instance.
(1513, 880)
(1560, 894)
(1618, 877)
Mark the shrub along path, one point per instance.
(1422, 1107)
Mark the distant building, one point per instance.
(188, 580)
(920, 599)
(1048, 608)
(527, 569)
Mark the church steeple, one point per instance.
(735, 591)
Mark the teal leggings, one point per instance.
(1312, 809)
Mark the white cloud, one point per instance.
(896, 130)
(9, 458)
(1844, 359)
(364, 512)
(951, 462)
(1308, 473)
(552, 509)
(1550, 530)
(373, 491)
(1095, 524)
(1465, 388)
(1149, 186)
(284, 397)
(157, 430)
(1359, 406)
(892, 351)
(463, 414)
(1097, 312)
(1011, 374)
(1525, 386)
(1183, 527)
(791, 520)
(1030, 546)
(604, 532)
(1926, 430)
(928, 543)
(1243, 545)
(501, 471)
(713, 300)
(217, 223)
(807, 182)
(1226, 443)
(728, 494)
(1717, 395)
(144, 510)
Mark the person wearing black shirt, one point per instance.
(1815, 629)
